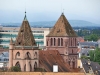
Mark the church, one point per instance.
(61, 49)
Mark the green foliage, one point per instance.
(39, 70)
(15, 69)
(91, 53)
(91, 37)
(85, 57)
(89, 33)
(95, 55)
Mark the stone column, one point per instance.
(22, 65)
(71, 64)
(56, 42)
(27, 66)
(10, 59)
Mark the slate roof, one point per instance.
(25, 36)
(90, 43)
(62, 28)
(85, 52)
(4, 57)
(49, 58)
(94, 65)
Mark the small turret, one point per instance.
(38, 45)
(11, 45)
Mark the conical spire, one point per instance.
(25, 35)
(11, 41)
(62, 28)
(25, 18)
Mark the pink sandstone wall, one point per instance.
(39, 73)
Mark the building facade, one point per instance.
(24, 52)
(7, 32)
(63, 38)
(4, 59)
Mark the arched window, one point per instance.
(54, 41)
(75, 42)
(69, 62)
(18, 64)
(25, 67)
(17, 55)
(72, 50)
(47, 43)
(51, 41)
(71, 41)
(61, 42)
(73, 64)
(35, 65)
(27, 55)
(35, 54)
(58, 41)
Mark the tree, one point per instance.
(15, 69)
(91, 53)
(84, 57)
(91, 37)
(95, 55)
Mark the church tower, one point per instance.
(63, 38)
(24, 53)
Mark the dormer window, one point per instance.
(5, 59)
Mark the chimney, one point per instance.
(89, 62)
(55, 68)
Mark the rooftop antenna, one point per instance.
(63, 11)
(61, 7)
(25, 18)
(25, 6)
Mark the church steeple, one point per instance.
(25, 18)
(62, 28)
(25, 36)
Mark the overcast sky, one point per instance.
(12, 11)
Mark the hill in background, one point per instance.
(74, 23)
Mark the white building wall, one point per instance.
(14, 30)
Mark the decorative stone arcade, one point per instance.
(24, 53)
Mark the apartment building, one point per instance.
(7, 32)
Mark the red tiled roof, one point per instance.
(62, 28)
(80, 39)
(52, 57)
